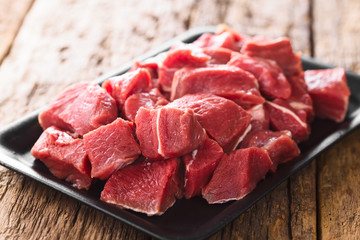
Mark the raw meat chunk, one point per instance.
(300, 99)
(218, 55)
(283, 117)
(178, 57)
(200, 165)
(279, 50)
(259, 117)
(225, 81)
(123, 86)
(224, 121)
(148, 100)
(80, 108)
(272, 81)
(280, 146)
(237, 175)
(329, 91)
(168, 132)
(147, 187)
(111, 147)
(224, 37)
(65, 157)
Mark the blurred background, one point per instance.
(47, 45)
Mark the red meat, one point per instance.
(111, 147)
(279, 50)
(237, 174)
(272, 81)
(224, 121)
(148, 100)
(123, 86)
(259, 117)
(222, 80)
(200, 165)
(168, 132)
(178, 57)
(147, 187)
(280, 146)
(218, 55)
(329, 91)
(65, 157)
(300, 99)
(80, 108)
(283, 117)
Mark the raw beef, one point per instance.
(280, 146)
(199, 166)
(279, 50)
(237, 174)
(272, 81)
(111, 147)
(178, 57)
(218, 55)
(148, 100)
(300, 99)
(149, 187)
(123, 86)
(225, 81)
(329, 91)
(224, 37)
(259, 117)
(224, 121)
(283, 117)
(65, 157)
(80, 108)
(168, 132)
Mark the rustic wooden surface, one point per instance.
(47, 45)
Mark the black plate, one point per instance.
(187, 219)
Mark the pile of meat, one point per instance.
(209, 118)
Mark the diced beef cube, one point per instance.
(224, 121)
(65, 157)
(329, 91)
(200, 165)
(259, 117)
(218, 55)
(148, 100)
(224, 37)
(178, 57)
(152, 65)
(147, 187)
(225, 81)
(279, 50)
(168, 132)
(283, 117)
(123, 86)
(300, 99)
(80, 108)
(272, 81)
(280, 146)
(111, 147)
(237, 175)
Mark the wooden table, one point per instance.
(46, 45)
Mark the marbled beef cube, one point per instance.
(65, 157)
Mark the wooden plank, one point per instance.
(12, 14)
(336, 42)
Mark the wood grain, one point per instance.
(77, 41)
(338, 180)
(12, 14)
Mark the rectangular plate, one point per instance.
(187, 219)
